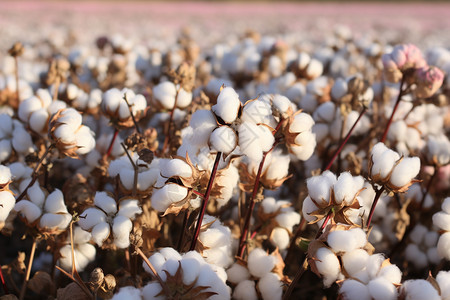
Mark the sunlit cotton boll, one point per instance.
(270, 286)
(84, 252)
(354, 290)
(328, 265)
(228, 105)
(419, 289)
(260, 263)
(245, 290)
(223, 139)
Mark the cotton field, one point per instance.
(206, 152)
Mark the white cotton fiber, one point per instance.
(419, 289)
(55, 202)
(280, 238)
(7, 202)
(342, 241)
(21, 140)
(308, 207)
(165, 93)
(100, 233)
(392, 274)
(355, 261)
(418, 233)
(415, 256)
(191, 269)
(384, 164)
(443, 246)
(258, 112)
(105, 202)
(5, 174)
(127, 293)
(28, 209)
(443, 279)
(168, 194)
(442, 220)
(223, 139)
(245, 290)
(302, 122)
(347, 186)
(406, 170)
(227, 106)
(381, 289)
(360, 237)
(269, 205)
(215, 237)
(446, 205)
(59, 221)
(170, 253)
(36, 195)
(38, 120)
(176, 167)
(319, 187)
(328, 265)
(151, 290)
(129, 208)
(121, 229)
(91, 217)
(288, 219)
(354, 290)
(270, 286)
(260, 263)
(374, 264)
(237, 273)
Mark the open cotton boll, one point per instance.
(288, 219)
(384, 163)
(418, 233)
(184, 98)
(374, 264)
(216, 237)
(258, 112)
(245, 290)
(302, 122)
(165, 93)
(250, 142)
(27, 107)
(446, 205)
(176, 167)
(442, 220)
(5, 150)
(342, 240)
(319, 187)
(191, 270)
(237, 273)
(7, 202)
(228, 105)
(280, 238)
(354, 290)
(152, 291)
(415, 256)
(339, 89)
(5, 175)
(85, 140)
(328, 265)
(314, 69)
(260, 263)
(91, 217)
(100, 233)
(21, 140)
(269, 205)
(105, 202)
(127, 293)
(305, 144)
(381, 289)
(223, 139)
(38, 120)
(443, 246)
(392, 273)
(55, 202)
(360, 237)
(168, 194)
(419, 289)
(129, 208)
(270, 286)
(282, 103)
(443, 279)
(59, 220)
(406, 170)
(355, 261)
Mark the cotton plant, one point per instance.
(14, 138)
(422, 251)
(48, 212)
(118, 105)
(83, 251)
(185, 274)
(106, 215)
(261, 274)
(281, 218)
(37, 110)
(441, 220)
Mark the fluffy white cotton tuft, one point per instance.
(223, 139)
(270, 286)
(245, 290)
(237, 273)
(260, 263)
(354, 290)
(381, 289)
(228, 105)
(419, 289)
(406, 170)
(328, 265)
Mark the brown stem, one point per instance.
(187, 213)
(205, 201)
(372, 209)
(152, 268)
(116, 132)
(16, 63)
(169, 125)
(131, 113)
(5, 288)
(341, 146)
(34, 174)
(399, 98)
(81, 285)
(30, 264)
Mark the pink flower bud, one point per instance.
(428, 80)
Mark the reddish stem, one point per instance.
(399, 98)
(205, 200)
(341, 146)
(372, 209)
(5, 288)
(108, 152)
(198, 193)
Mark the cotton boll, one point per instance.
(288, 219)
(28, 209)
(245, 290)
(260, 263)
(191, 270)
(443, 245)
(341, 241)
(55, 202)
(237, 273)
(84, 140)
(360, 237)
(216, 237)
(151, 291)
(419, 289)
(223, 139)
(443, 279)
(415, 256)
(355, 261)
(407, 169)
(176, 167)
(227, 106)
(50, 220)
(392, 273)
(21, 140)
(381, 289)
(319, 187)
(270, 286)
(258, 112)
(280, 238)
(170, 193)
(5, 150)
(184, 98)
(354, 290)
(346, 187)
(100, 233)
(129, 208)
(302, 122)
(314, 69)
(442, 220)
(374, 264)
(38, 120)
(170, 253)
(165, 93)
(91, 217)
(127, 293)
(7, 202)
(446, 205)
(5, 175)
(339, 89)
(328, 265)
(418, 233)
(384, 164)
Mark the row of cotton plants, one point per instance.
(252, 169)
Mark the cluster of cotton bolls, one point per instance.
(261, 267)
(240, 152)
